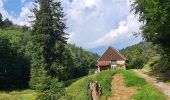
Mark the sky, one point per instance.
(92, 24)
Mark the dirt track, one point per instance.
(164, 88)
(120, 91)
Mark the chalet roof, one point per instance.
(103, 63)
(111, 54)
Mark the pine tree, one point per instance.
(48, 41)
(1, 21)
(7, 23)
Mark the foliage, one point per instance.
(69, 82)
(155, 14)
(140, 54)
(7, 23)
(1, 21)
(17, 43)
(79, 90)
(160, 66)
(25, 28)
(50, 56)
(83, 61)
(148, 66)
(47, 45)
(14, 70)
(54, 92)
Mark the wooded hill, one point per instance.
(15, 59)
(145, 55)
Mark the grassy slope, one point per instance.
(18, 95)
(79, 89)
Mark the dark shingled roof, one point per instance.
(111, 54)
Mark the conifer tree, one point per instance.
(7, 23)
(48, 41)
(1, 21)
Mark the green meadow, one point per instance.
(26, 94)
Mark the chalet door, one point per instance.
(113, 64)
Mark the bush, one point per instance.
(91, 71)
(161, 66)
(54, 91)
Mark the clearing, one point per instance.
(18, 95)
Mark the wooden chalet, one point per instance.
(111, 59)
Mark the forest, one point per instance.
(14, 53)
(40, 58)
(32, 58)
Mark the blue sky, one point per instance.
(92, 24)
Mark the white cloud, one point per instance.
(1, 3)
(70, 36)
(3, 11)
(95, 21)
(23, 1)
(123, 32)
(90, 3)
(23, 18)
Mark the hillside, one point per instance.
(149, 58)
(84, 61)
(140, 54)
(15, 52)
(79, 90)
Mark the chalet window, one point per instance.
(113, 62)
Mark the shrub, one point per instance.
(54, 91)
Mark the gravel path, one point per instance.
(164, 88)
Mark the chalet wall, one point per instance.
(121, 64)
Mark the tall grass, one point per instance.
(18, 95)
(79, 90)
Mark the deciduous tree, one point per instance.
(155, 15)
